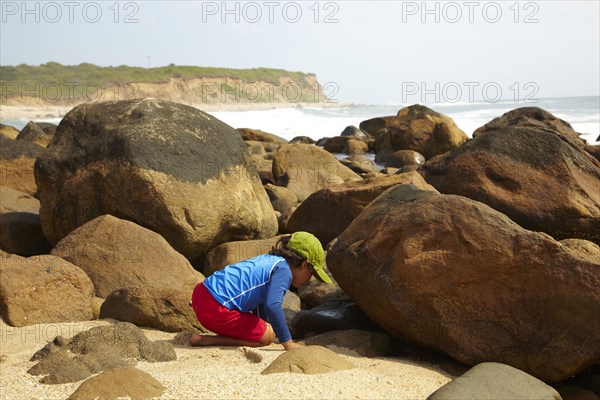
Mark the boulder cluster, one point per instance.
(484, 249)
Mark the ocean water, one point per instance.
(583, 113)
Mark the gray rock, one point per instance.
(494, 381)
(339, 312)
(96, 350)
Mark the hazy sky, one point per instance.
(369, 52)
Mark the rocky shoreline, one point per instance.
(459, 253)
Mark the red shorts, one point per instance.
(223, 321)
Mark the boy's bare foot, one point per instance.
(199, 340)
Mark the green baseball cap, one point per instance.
(308, 246)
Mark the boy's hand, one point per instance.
(291, 345)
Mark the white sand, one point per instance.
(221, 373)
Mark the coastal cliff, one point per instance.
(53, 84)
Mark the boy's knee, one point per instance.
(268, 337)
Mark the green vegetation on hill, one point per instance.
(22, 80)
(55, 72)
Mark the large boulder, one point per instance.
(532, 117)
(118, 383)
(305, 168)
(43, 289)
(95, 350)
(167, 310)
(34, 134)
(118, 254)
(448, 272)
(232, 252)
(327, 212)
(17, 158)
(532, 175)
(423, 130)
(171, 168)
(495, 381)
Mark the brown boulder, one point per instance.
(532, 117)
(233, 252)
(355, 146)
(281, 198)
(335, 144)
(17, 158)
(308, 360)
(256, 149)
(302, 140)
(117, 383)
(314, 293)
(259, 136)
(360, 164)
(327, 212)
(448, 272)
(47, 127)
(305, 168)
(167, 310)
(404, 158)
(171, 168)
(12, 200)
(9, 132)
(117, 254)
(531, 175)
(43, 289)
(594, 150)
(264, 167)
(423, 130)
(375, 126)
(582, 246)
(34, 134)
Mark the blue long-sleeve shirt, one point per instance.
(256, 283)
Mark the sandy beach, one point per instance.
(44, 111)
(222, 373)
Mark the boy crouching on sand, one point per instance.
(242, 303)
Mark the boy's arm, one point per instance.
(280, 282)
